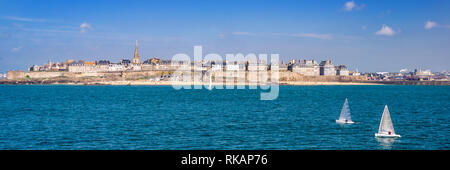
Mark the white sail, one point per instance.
(345, 112)
(386, 126)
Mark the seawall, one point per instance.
(21, 77)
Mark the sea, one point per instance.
(68, 117)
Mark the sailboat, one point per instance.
(345, 117)
(386, 128)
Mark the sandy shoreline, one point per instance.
(308, 83)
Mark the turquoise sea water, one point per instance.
(159, 117)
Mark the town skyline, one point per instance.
(365, 35)
(136, 59)
(131, 59)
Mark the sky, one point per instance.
(368, 35)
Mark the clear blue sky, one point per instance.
(345, 31)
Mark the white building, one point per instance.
(327, 68)
(420, 72)
(216, 67)
(116, 67)
(136, 67)
(342, 70)
(232, 67)
(306, 67)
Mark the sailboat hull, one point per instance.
(382, 135)
(343, 122)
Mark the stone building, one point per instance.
(113, 67)
(341, 70)
(281, 66)
(306, 67)
(327, 68)
(156, 64)
(420, 72)
(87, 67)
(261, 65)
(136, 67)
(77, 66)
(36, 68)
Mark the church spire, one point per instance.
(136, 57)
